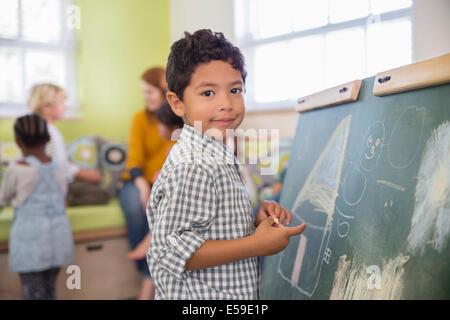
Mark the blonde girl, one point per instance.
(49, 101)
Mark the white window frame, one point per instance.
(248, 43)
(67, 45)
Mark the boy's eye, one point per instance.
(208, 93)
(236, 90)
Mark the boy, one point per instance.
(205, 243)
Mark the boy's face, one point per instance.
(213, 96)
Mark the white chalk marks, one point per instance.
(391, 185)
(378, 179)
(403, 148)
(343, 227)
(355, 184)
(315, 204)
(430, 225)
(355, 181)
(353, 282)
(373, 146)
(431, 217)
(299, 259)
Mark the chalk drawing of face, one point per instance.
(372, 146)
(431, 218)
(405, 138)
(373, 143)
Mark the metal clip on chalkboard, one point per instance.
(347, 92)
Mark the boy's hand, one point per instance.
(271, 239)
(273, 209)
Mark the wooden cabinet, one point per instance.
(105, 272)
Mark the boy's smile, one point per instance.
(213, 96)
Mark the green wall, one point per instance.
(117, 41)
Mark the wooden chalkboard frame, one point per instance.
(344, 93)
(422, 74)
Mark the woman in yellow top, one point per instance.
(147, 151)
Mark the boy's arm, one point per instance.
(186, 209)
(214, 253)
(268, 239)
(180, 211)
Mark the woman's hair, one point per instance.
(167, 117)
(156, 77)
(194, 49)
(42, 95)
(31, 130)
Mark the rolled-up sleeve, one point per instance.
(187, 207)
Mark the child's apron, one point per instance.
(41, 236)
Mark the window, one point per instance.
(297, 47)
(36, 45)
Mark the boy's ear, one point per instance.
(175, 103)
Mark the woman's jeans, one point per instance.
(137, 224)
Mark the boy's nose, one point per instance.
(225, 103)
(225, 107)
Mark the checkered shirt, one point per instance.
(199, 195)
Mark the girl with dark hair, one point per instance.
(40, 240)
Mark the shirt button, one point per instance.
(173, 241)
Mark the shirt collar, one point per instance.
(204, 145)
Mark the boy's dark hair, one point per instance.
(167, 117)
(31, 130)
(200, 47)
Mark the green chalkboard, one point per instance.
(372, 181)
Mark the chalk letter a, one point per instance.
(74, 280)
